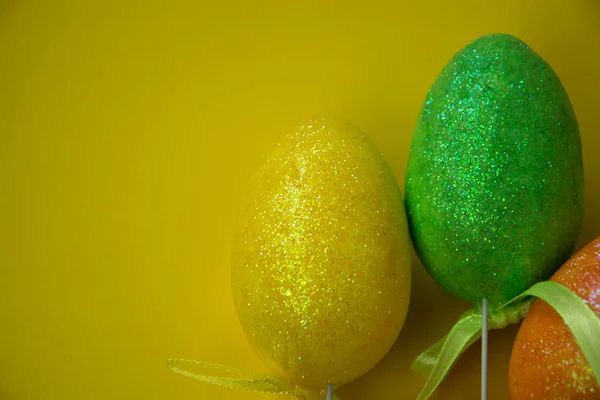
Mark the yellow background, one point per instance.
(128, 130)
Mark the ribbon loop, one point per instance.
(247, 381)
(437, 360)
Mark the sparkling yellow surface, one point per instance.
(128, 132)
(321, 266)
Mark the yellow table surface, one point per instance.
(128, 131)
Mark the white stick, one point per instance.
(484, 349)
(330, 392)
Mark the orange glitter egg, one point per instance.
(546, 361)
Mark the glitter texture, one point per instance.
(546, 362)
(494, 188)
(321, 272)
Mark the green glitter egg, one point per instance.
(494, 188)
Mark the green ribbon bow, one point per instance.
(436, 362)
(247, 381)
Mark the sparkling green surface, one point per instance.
(494, 188)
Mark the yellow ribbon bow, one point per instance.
(247, 381)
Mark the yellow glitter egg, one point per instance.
(321, 267)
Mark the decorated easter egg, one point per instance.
(494, 186)
(321, 265)
(546, 361)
